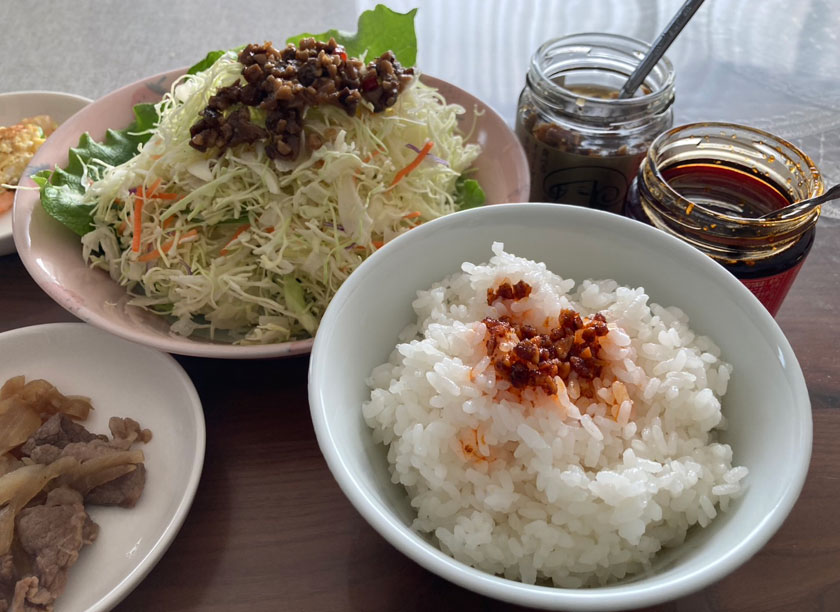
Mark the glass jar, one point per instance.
(583, 144)
(709, 184)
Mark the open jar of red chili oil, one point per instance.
(709, 184)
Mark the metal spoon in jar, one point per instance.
(803, 206)
(659, 47)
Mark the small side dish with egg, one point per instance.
(18, 144)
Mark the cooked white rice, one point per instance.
(567, 494)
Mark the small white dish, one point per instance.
(18, 105)
(127, 380)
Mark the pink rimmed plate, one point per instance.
(52, 253)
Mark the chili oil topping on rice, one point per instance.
(549, 433)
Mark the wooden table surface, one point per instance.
(270, 529)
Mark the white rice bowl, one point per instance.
(568, 494)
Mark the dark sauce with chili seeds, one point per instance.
(733, 190)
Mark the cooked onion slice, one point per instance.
(17, 489)
(17, 423)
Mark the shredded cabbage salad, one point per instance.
(248, 249)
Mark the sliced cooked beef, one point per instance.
(127, 431)
(90, 531)
(119, 488)
(84, 451)
(59, 430)
(45, 454)
(123, 491)
(7, 571)
(53, 527)
(26, 590)
(52, 534)
(7, 581)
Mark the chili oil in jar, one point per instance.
(710, 183)
(583, 144)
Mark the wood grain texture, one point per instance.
(270, 529)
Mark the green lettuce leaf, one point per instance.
(62, 190)
(208, 61)
(379, 30)
(468, 193)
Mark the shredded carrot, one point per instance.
(166, 246)
(412, 215)
(140, 198)
(167, 196)
(377, 244)
(236, 234)
(417, 160)
(122, 227)
(138, 221)
(153, 188)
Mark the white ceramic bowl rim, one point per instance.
(45, 92)
(652, 589)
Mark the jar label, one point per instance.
(571, 177)
(771, 290)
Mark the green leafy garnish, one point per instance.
(379, 30)
(208, 61)
(211, 59)
(62, 190)
(296, 302)
(468, 193)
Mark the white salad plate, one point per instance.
(18, 105)
(126, 380)
(52, 253)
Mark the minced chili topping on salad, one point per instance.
(284, 83)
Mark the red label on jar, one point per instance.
(771, 290)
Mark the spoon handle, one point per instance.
(805, 205)
(659, 47)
